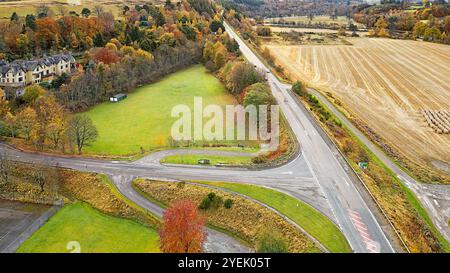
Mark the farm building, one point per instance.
(117, 98)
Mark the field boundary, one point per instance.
(38, 223)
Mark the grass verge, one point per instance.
(95, 231)
(214, 160)
(311, 220)
(244, 219)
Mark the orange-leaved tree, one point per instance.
(183, 229)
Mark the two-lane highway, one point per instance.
(353, 215)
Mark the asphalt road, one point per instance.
(353, 215)
(435, 198)
(316, 176)
(216, 242)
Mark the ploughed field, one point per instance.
(388, 84)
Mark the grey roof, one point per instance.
(31, 65)
(14, 68)
(119, 95)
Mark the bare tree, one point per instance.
(82, 131)
(98, 10)
(62, 10)
(46, 176)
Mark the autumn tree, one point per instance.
(81, 131)
(47, 33)
(5, 169)
(47, 111)
(419, 29)
(32, 93)
(11, 122)
(220, 55)
(447, 24)
(380, 27)
(183, 229)
(105, 55)
(242, 75)
(27, 121)
(258, 94)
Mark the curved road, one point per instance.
(318, 176)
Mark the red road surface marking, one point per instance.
(362, 229)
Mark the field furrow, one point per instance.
(386, 83)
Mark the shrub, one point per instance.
(271, 241)
(228, 203)
(348, 147)
(210, 201)
(259, 160)
(299, 88)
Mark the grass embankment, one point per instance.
(144, 118)
(245, 219)
(97, 194)
(400, 205)
(98, 191)
(95, 231)
(215, 159)
(311, 220)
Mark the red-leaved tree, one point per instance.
(183, 229)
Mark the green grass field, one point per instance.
(193, 159)
(311, 220)
(144, 118)
(96, 232)
(22, 9)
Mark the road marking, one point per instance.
(436, 202)
(371, 246)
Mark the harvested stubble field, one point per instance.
(385, 83)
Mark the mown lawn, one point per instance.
(311, 220)
(215, 159)
(144, 118)
(96, 232)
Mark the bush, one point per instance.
(258, 94)
(299, 88)
(228, 203)
(348, 147)
(259, 160)
(271, 241)
(4, 129)
(210, 201)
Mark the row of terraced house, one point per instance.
(21, 73)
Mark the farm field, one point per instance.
(385, 83)
(144, 118)
(25, 7)
(314, 30)
(305, 19)
(96, 232)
